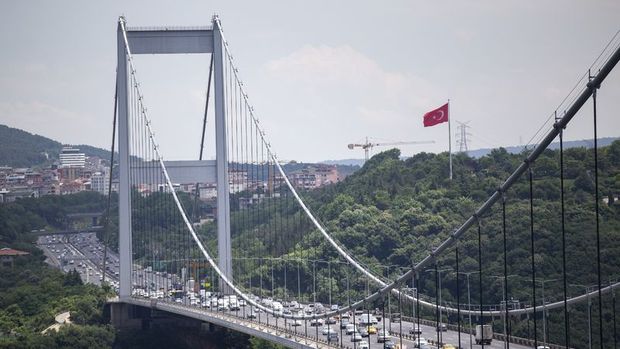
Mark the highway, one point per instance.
(84, 253)
(428, 332)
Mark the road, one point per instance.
(84, 253)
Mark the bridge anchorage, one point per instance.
(271, 276)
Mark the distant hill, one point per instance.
(344, 162)
(584, 143)
(478, 153)
(19, 148)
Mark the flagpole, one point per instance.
(450, 138)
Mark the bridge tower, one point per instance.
(172, 41)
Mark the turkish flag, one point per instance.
(436, 116)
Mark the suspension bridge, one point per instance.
(256, 267)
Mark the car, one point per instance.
(356, 337)
(363, 345)
(383, 336)
(371, 330)
(332, 337)
(363, 332)
(448, 346)
(344, 323)
(415, 329)
(419, 342)
(296, 323)
(316, 322)
(350, 329)
(325, 330)
(330, 320)
(334, 307)
(442, 328)
(389, 345)
(251, 315)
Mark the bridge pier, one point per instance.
(125, 316)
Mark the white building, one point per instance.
(99, 182)
(71, 157)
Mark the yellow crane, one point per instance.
(367, 146)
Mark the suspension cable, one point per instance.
(385, 287)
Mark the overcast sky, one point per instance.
(320, 74)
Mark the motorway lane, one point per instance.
(428, 332)
(78, 255)
(87, 246)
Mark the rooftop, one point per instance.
(11, 252)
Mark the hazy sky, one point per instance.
(320, 74)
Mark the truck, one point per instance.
(484, 334)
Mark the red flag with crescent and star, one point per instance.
(436, 116)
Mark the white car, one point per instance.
(421, 341)
(350, 329)
(415, 329)
(356, 337)
(316, 322)
(363, 345)
(383, 336)
(326, 330)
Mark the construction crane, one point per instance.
(367, 146)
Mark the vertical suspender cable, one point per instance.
(204, 130)
(598, 234)
(417, 306)
(506, 318)
(563, 217)
(400, 320)
(613, 302)
(458, 294)
(481, 320)
(531, 179)
(106, 234)
(437, 290)
(384, 330)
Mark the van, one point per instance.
(484, 334)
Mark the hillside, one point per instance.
(19, 148)
(478, 153)
(395, 211)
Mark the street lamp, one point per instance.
(467, 274)
(504, 301)
(440, 322)
(587, 289)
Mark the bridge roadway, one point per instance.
(237, 320)
(305, 336)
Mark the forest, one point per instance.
(393, 212)
(390, 214)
